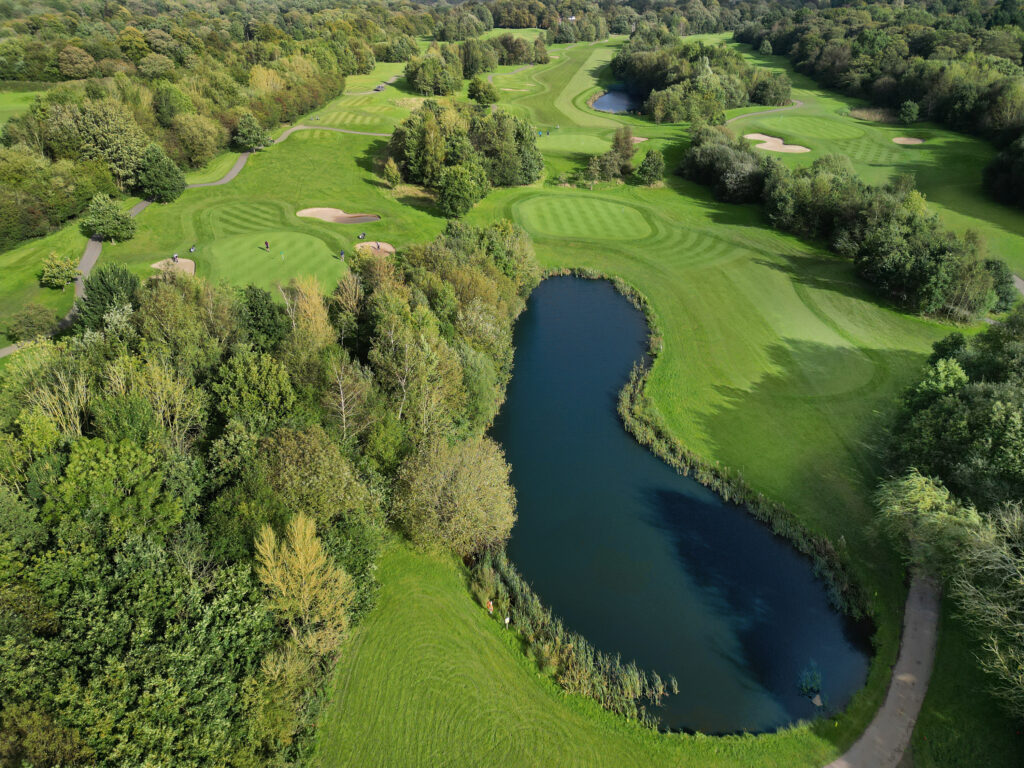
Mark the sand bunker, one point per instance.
(376, 247)
(907, 140)
(337, 216)
(775, 144)
(518, 90)
(638, 139)
(184, 265)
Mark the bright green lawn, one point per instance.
(213, 170)
(15, 102)
(20, 268)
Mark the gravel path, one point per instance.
(883, 743)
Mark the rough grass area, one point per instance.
(15, 102)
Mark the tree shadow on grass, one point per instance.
(373, 157)
(827, 273)
(811, 432)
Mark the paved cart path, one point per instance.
(883, 743)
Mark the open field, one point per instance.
(777, 362)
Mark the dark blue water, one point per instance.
(641, 560)
(617, 100)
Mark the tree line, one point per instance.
(953, 502)
(896, 243)
(198, 480)
(691, 80)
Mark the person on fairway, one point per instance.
(175, 259)
(266, 244)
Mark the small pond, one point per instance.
(643, 561)
(617, 99)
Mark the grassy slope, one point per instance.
(430, 680)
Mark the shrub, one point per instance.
(199, 137)
(482, 92)
(909, 112)
(104, 220)
(249, 135)
(457, 496)
(652, 169)
(392, 175)
(459, 188)
(30, 322)
(58, 271)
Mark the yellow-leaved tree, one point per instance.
(307, 591)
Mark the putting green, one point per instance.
(291, 254)
(582, 216)
(837, 129)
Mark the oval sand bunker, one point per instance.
(337, 216)
(906, 140)
(774, 144)
(182, 265)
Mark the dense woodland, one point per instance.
(897, 244)
(141, 86)
(196, 484)
(955, 499)
(460, 152)
(684, 80)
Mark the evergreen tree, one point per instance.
(159, 177)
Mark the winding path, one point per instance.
(884, 742)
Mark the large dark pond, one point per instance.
(616, 99)
(641, 560)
